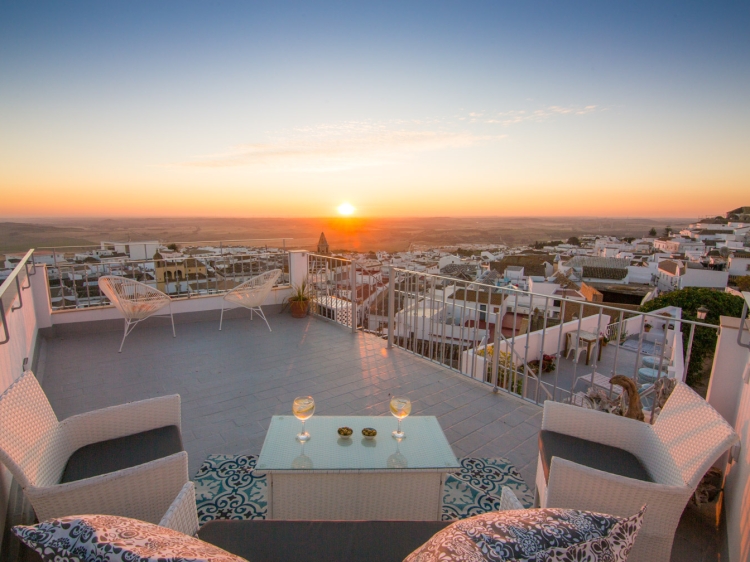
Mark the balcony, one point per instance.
(232, 381)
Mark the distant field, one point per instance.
(19, 237)
(342, 234)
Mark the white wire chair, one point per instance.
(136, 301)
(251, 294)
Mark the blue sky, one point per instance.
(260, 104)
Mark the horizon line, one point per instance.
(343, 218)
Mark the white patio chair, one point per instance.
(674, 453)
(251, 294)
(575, 346)
(136, 301)
(61, 465)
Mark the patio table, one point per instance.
(330, 478)
(600, 381)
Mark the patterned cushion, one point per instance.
(536, 535)
(107, 538)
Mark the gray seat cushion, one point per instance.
(587, 453)
(115, 454)
(320, 541)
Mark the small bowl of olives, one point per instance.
(345, 432)
(369, 433)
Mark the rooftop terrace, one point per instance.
(232, 382)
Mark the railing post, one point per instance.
(689, 351)
(495, 347)
(391, 304)
(353, 287)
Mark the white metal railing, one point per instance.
(456, 323)
(73, 284)
(332, 282)
(18, 326)
(442, 320)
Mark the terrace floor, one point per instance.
(232, 382)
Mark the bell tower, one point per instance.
(323, 245)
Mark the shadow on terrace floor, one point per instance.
(233, 381)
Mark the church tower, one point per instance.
(323, 245)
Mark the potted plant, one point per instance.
(299, 300)
(604, 338)
(647, 327)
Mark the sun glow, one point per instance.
(345, 209)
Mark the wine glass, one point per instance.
(303, 409)
(400, 407)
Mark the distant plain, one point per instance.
(354, 234)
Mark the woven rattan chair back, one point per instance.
(28, 431)
(693, 433)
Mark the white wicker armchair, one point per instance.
(36, 448)
(686, 439)
(251, 294)
(136, 301)
(182, 515)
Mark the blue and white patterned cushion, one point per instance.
(228, 487)
(108, 538)
(477, 487)
(533, 535)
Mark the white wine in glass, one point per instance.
(400, 407)
(303, 409)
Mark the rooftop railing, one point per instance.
(73, 271)
(538, 346)
(18, 320)
(535, 345)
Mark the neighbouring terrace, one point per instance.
(232, 381)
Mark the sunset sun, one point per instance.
(345, 209)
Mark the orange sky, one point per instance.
(247, 110)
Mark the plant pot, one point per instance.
(299, 308)
(647, 329)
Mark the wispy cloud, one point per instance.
(540, 115)
(356, 144)
(341, 146)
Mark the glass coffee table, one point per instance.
(331, 478)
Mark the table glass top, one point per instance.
(424, 447)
